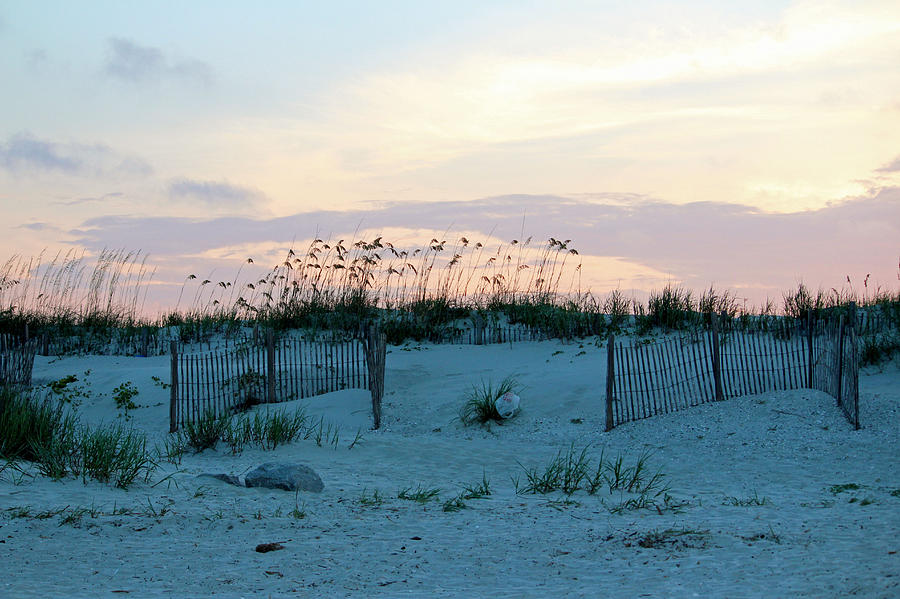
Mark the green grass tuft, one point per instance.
(419, 494)
(479, 406)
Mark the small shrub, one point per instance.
(123, 395)
(160, 383)
(61, 388)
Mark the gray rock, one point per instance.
(290, 477)
(228, 478)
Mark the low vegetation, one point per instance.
(94, 303)
(574, 470)
(480, 403)
(40, 431)
(264, 429)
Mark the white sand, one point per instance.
(788, 447)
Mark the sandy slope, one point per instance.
(189, 536)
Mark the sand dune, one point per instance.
(753, 509)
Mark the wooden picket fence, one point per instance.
(16, 361)
(225, 381)
(835, 368)
(646, 379)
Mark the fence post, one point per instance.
(854, 362)
(716, 357)
(840, 359)
(173, 390)
(610, 358)
(809, 349)
(376, 348)
(145, 342)
(479, 326)
(270, 366)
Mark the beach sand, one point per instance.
(188, 536)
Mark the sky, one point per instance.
(751, 147)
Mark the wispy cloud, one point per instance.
(132, 62)
(115, 195)
(24, 153)
(215, 193)
(890, 167)
(39, 227)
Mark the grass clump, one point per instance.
(671, 308)
(34, 430)
(480, 402)
(420, 494)
(27, 425)
(454, 504)
(264, 429)
(566, 472)
(114, 454)
(207, 431)
(573, 470)
(878, 347)
(803, 303)
(477, 490)
(373, 499)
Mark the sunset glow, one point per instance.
(695, 143)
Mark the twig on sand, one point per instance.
(790, 413)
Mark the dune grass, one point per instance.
(480, 402)
(36, 430)
(574, 470)
(421, 293)
(265, 429)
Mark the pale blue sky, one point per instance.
(129, 112)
